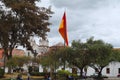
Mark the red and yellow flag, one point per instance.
(63, 29)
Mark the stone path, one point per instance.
(112, 78)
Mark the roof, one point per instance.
(18, 52)
(1, 53)
(52, 48)
(117, 49)
(59, 44)
(15, 52)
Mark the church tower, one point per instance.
(43, 42)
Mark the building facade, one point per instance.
(39, 49)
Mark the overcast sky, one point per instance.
(85, 18)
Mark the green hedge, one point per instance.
(37, 74)
(1, 73)
(63, 72)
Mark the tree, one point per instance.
(17, 61)
(95, 53)
(50, 61)
(20, 20)
(77, 55)
(115, 56)
(80, 56)
(63, 56)
(100, 54)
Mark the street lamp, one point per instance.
(35, 53)
(54, 49)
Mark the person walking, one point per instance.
(28, 76)
(19, 77)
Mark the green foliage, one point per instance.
(17, 25)
(33, 69)
(63, 55)
(1, 72)
(30, 69)
(63, 72)
(115, 56)
(100, 54)
(48, 60)
(17, 61)
(95, 53)
(37, 74)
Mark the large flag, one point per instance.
(63, 29)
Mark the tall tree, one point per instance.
(50, 61)
(95, 53)
(100, 54)
(80, 56)
(17, 61)
(115, 56)
(20, 20)
(63, 56)
(77, 55)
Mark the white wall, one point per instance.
(90, 71)
(114, 66)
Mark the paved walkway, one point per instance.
(112, 78)
(84, 79)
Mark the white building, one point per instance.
(40, 48)
(112, 70)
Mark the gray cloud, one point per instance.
(74, 4)
(86, 18)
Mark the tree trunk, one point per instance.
(5, 57)
(4, 63)
(100, 73)
(64, 65)
(51, 71)
(9, 57)
(81, 72)
(10, 70)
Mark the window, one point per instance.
(118, 70)
(28, 53)
(108, 70)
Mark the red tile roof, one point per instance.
(15, 52)
(1, 53)
(18, 52)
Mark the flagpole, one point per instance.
(64, 39)
(63, 31)
(64, 61)
(65, 23)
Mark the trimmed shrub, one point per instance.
(30, 69)
(1, 72)
(63, 72)
(37, 73)
(33, 69)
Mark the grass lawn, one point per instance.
(14, 75)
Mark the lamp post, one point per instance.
(54, 49)
(0, 16)
(55, 60)
(35, 54)
(35, 65)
